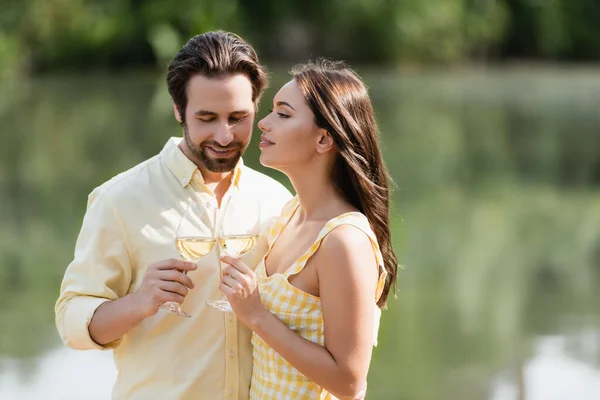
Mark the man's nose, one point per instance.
(224, 135)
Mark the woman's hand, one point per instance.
(240, 285)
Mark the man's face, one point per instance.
(218, 120)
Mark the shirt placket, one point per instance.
(232, 361)
(231, 336)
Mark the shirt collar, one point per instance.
(184, 169)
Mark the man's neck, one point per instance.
(218, 182)
(215, 178)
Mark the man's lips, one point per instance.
(224, 152)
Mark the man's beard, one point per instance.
(214, 164)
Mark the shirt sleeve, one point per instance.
(99, 272)
(277, 198)
(274, 196)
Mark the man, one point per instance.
(126, 264)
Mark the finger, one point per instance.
(234, 273)
(174, 287)
(227, 291)
(233, 284)
(173, 263)
(170, 296)
(237, 264)
(176, 276)
(227, 259)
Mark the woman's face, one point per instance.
(290, 136)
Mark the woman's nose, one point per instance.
(263, 124)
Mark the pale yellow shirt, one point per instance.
(130, 223)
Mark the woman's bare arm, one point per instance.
(347, 272)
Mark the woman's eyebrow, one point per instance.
(283, 103)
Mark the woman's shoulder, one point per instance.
(346, 258)
(349, 237)
(349, 226)
(348, 233)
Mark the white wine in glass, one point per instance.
(238, 232)
(194, 239)
(194, 248)
(237, 245)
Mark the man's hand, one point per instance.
(163, 281)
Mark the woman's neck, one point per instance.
(317, 195)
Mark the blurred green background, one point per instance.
(490, 123)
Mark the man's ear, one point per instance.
(326, 142)
(177, 114)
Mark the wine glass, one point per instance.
(237, 234)
(194, 239)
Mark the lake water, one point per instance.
(496, 220)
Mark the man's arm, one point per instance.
(94, 310)
(100, 272)
(163, 281)
(113, 319)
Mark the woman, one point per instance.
(314, 302)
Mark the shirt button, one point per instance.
(231, 354)
(230, 316)
(231, 392)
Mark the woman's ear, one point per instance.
(326, 142)
(177, 114)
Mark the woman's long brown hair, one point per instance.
(340, 102)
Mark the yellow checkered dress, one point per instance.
(273, 377)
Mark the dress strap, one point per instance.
(280, 222)
(357, 220)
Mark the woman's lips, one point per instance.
(264, 142)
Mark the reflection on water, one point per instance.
(496, 219)
(61, 374)
(553, 375)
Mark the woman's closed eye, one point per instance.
(280, 114)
